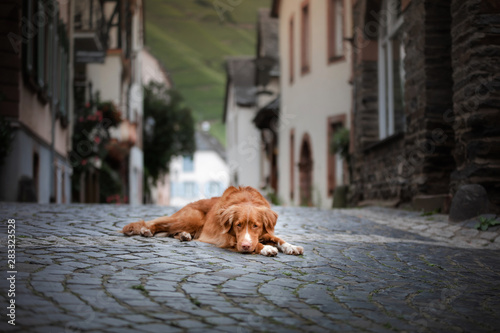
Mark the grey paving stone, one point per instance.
(359, 273)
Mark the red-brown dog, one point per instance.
(241, 219)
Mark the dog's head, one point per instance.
(247, 223)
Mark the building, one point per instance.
(203, 175)
(109, 38)
(36, 59)
(242, 137)
(426, 94)
(251, 111)
(315, 70)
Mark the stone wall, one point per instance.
(475, 32)
(428, 96)
(419, 161)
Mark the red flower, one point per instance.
(99, 115)
(97, 139)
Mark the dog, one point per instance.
(240, 220)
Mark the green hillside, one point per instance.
(191, 40)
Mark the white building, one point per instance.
(242, 137)
(117, 78)
(315, 96)
(204, 175)
(251, 110)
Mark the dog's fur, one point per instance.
(241, 220)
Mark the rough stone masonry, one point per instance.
(363, 270)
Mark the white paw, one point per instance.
(184, 236)
(288, 248)
(269, 251)
(146, 232)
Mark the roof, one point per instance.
(268, 34)
(241, 75)
(206, 142)
(241, 72)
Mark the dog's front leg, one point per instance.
(283, 246)
(266, 250)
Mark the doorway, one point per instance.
(305, 171)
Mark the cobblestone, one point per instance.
(372, 269)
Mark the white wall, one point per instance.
(208, 167)
(243, 144)
(307, 103)
(20, 163)
(135, 176)
(106, 78)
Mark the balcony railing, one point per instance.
(90, 31)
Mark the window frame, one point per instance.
(333, 53)
(291, 48)
(305, 38)
(389, 28)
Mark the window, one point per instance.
(40, 46)
(213, 189)
(291, 50)
(49, 61)
(189, 189)
(335, 163)
(45, 54)
(28, 52)
(187, 164)
(335, 30)
(63, 79)
(175, 189)
(305, 39)
(391, 74)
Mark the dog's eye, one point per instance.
(255, 226)
(239, 225)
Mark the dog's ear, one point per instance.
(269, 219)
(226, 216)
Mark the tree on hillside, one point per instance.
(168, 130)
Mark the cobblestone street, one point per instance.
(372, 269)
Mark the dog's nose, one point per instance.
(245, 247)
